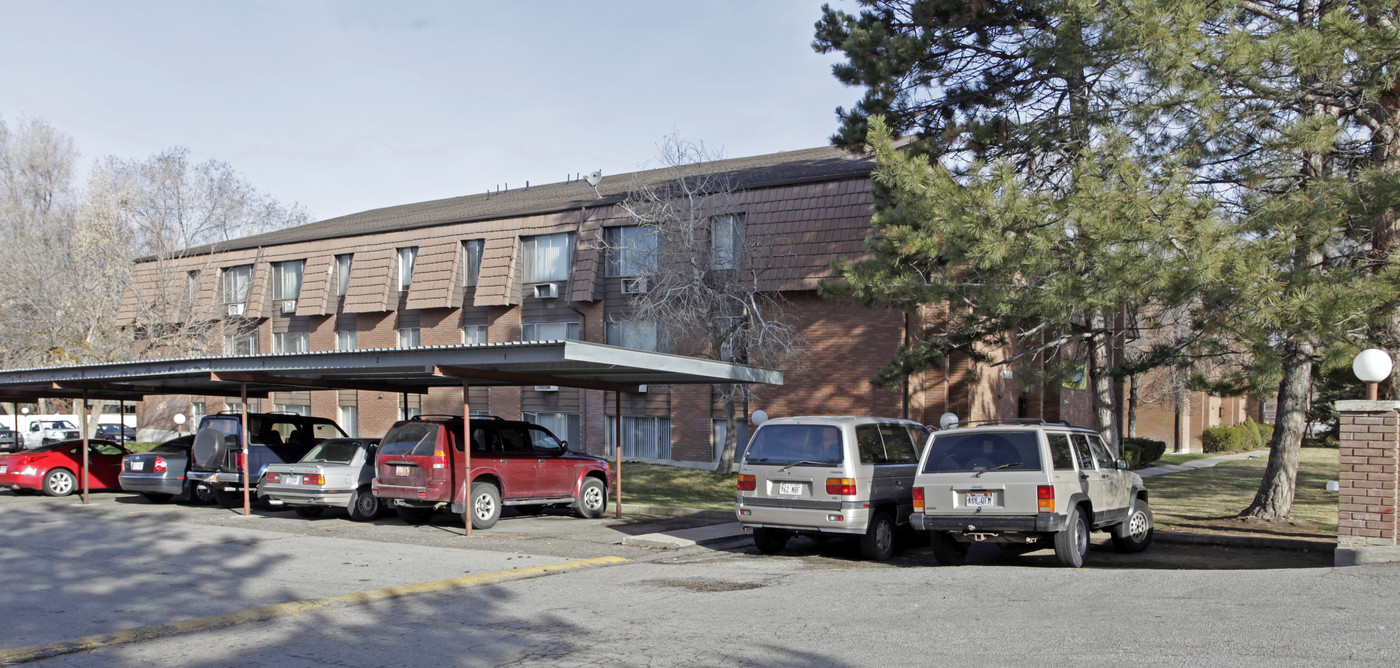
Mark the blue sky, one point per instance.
(348, 106)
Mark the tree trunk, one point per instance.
(1183, 418)
(1132, 405)
(1101, 374)
(731, 434)
(1274, 500)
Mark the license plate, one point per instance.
(292, 479)
(401, 471)
(137, 466)
(3, 468)
(979, 499)
(790, 488)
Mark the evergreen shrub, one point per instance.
(1142, 451)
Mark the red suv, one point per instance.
(420, 467)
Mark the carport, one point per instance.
(404, 371)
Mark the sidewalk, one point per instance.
(712, 526)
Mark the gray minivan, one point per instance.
(823, 476)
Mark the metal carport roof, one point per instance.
(401, 370)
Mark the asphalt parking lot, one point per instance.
(123, 565)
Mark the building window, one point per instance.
(549, 331)
(471, 261)
(635, 334)
(565, 426)
(192, 286)
(294, 409)
(341, 280)
(291, 342)
(197, 413)
(631, 250)
(409, 337)
(236, 282)
(726, 239)
(721, 429)
(286, 279)
(346, 339)
(410, 412)
(245, 343)
(406, 258)
(547, 258)
(349, 419)
(645, 437)
(474, 335)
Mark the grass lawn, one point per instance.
(657, 485)
(1183, 458)
(1197, 498)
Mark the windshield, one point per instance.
(410, 439)
(333, 452)
(59, 424)
(972, 451)
(813, 445)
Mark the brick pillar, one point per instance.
(1367, 480)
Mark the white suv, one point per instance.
(1027, 483)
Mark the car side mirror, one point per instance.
(564, 445)
(1123, 464)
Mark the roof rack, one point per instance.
(450, 416)
(1014, 421)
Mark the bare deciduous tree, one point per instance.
(711, 284)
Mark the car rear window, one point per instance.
(818, 445)
(977, 450)
(414, 439)
(171, 448)
(333, 452)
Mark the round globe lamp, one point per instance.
(1371, 367)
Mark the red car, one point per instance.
(53, 468)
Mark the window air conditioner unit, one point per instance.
(235, 309)
(289, 306)
(634, 286)
(546, 291)
(546, 388)
(641, 389)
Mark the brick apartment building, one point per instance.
(526, 264)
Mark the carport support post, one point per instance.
(466, 448)
(247, 507)
(617, 441)
(82, 424)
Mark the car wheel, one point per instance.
(154, 497)
(1135, 533)
(878, 542)
(197, 494)
(414, 516)
(485, 505)
(1072, 542)
(592, 499)
(770, 541)
(59, 482)
(229, 499)
(364, 505)
(308, 511)
(947, 550)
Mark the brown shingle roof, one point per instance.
(789, 167)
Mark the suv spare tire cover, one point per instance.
(208, 448)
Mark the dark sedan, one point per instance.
(116, 433)
(160, 473)
(9, 440)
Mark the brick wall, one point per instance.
(1370, 445)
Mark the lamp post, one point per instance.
(1371, 367)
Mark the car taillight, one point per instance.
(241, 460)
(918, 499)
(747, 483)
(159, 466)
(313, 479)
(1045, 495)
(841, 486)
(273, 477)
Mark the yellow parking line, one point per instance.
(45, 651)
(337, 525)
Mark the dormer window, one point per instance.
(547, 257)
(406, 258)
(286, 279)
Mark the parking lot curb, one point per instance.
(1256, 542)
(676, 511)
